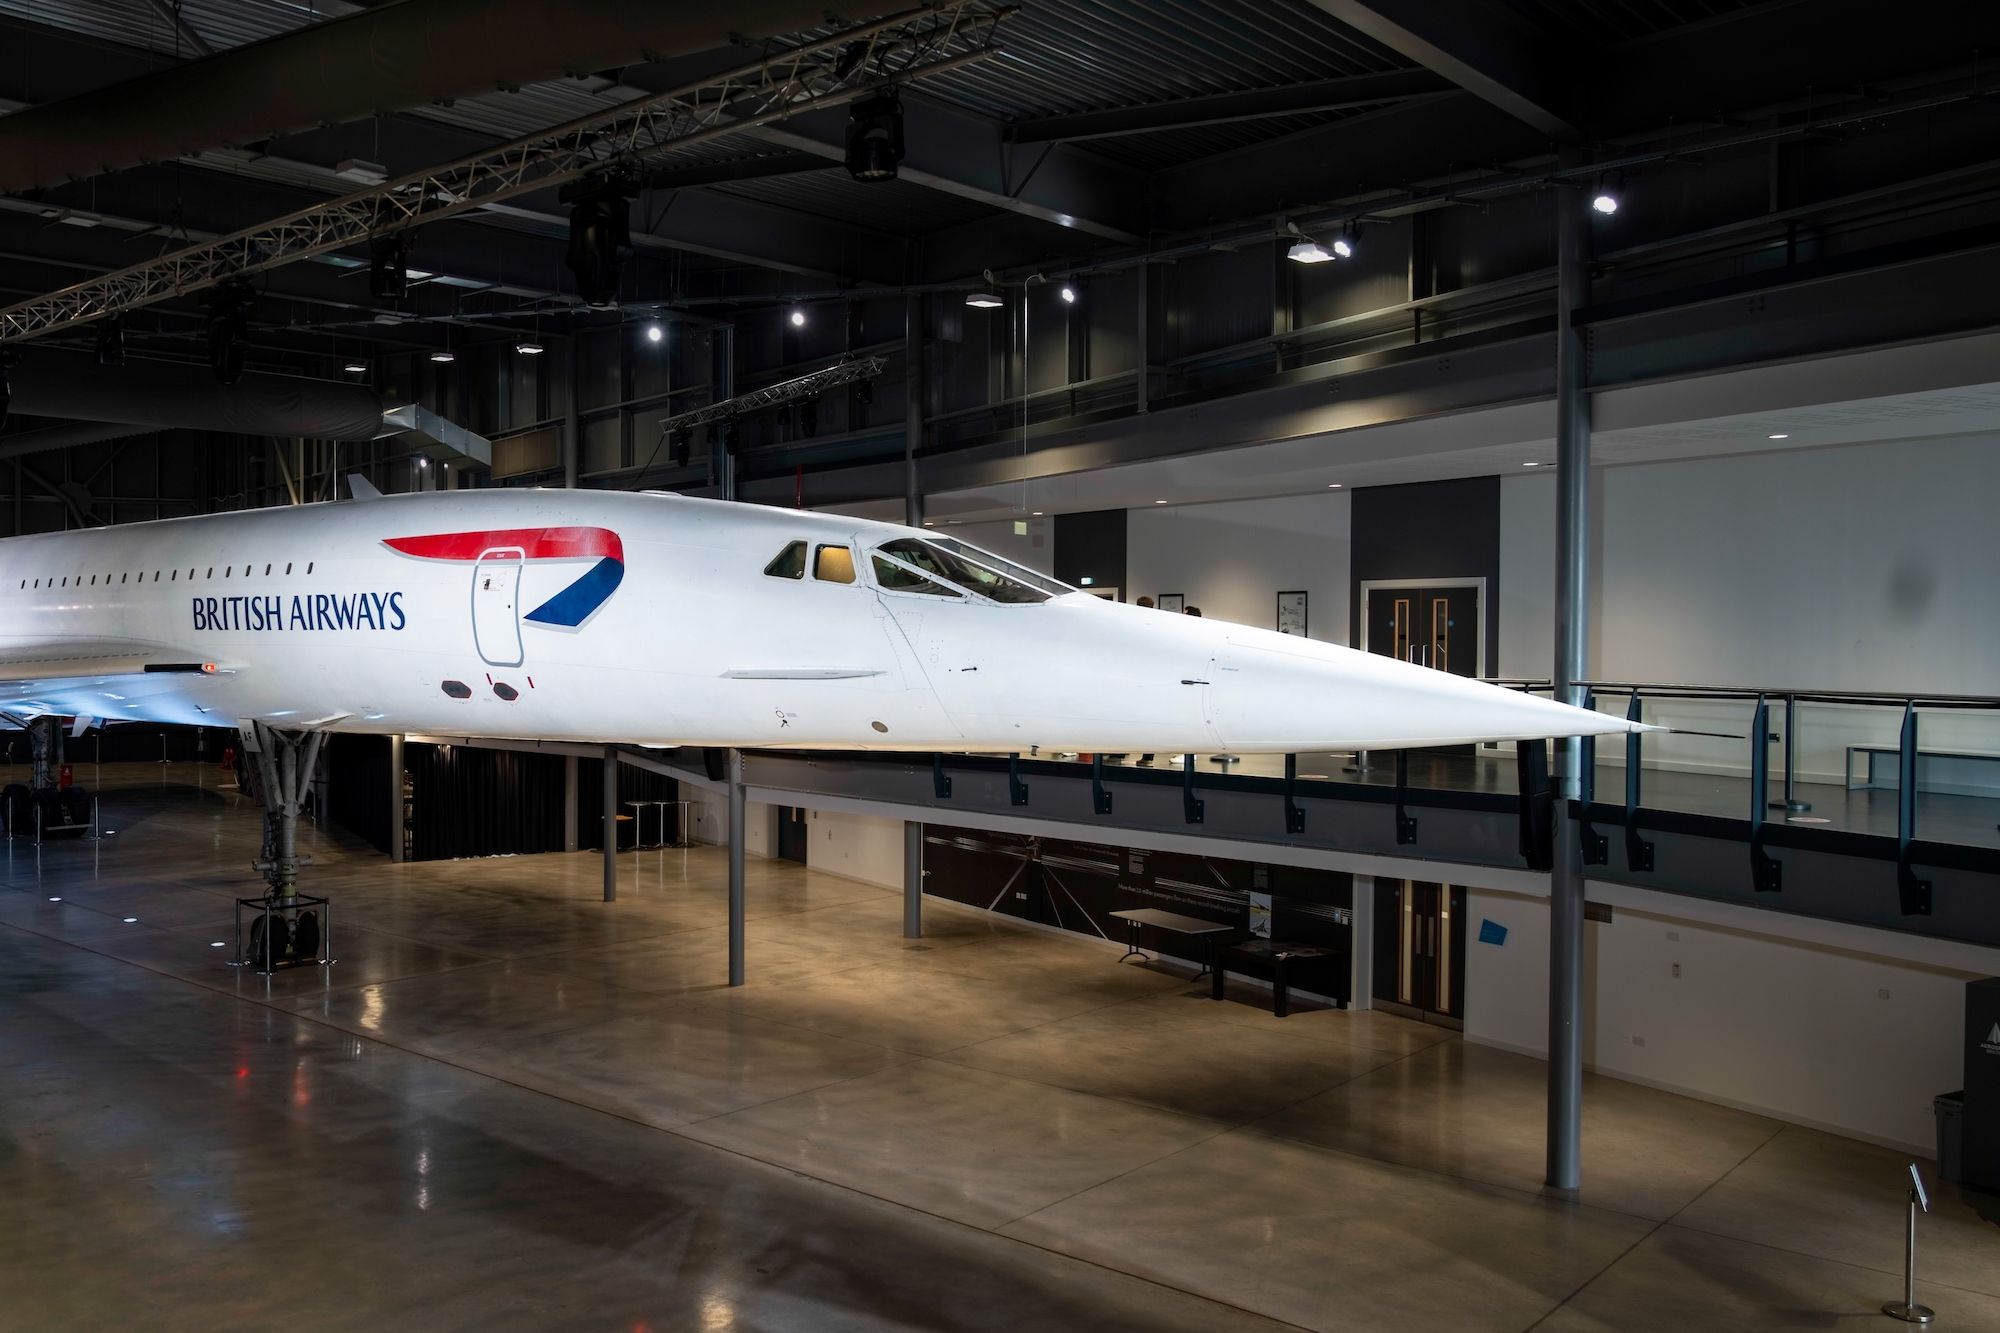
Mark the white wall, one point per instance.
(1831, 1037)
(708, 821)
(1863, 567)
(863, 847)
(1232, 559)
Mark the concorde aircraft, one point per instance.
(662, 620)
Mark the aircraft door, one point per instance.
(496, 605)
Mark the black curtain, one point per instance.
(357, 780)
(466, 801)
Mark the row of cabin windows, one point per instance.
(159, 576)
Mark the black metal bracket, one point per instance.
(1638, 851)
(1295, 814)
(1191, 806)
(1017, 790)
(1406, 823)
(1767, 874)
(1596, 846)
(1535, 817)
(1913, 894)
(1100, 795)
(940, 780)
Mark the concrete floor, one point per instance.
(511, 1106)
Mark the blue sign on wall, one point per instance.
(1492, 932)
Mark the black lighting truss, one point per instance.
(777, 395)
(856, 62)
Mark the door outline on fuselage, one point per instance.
(496, 611)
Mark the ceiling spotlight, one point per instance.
(111, 342)
(388, 267)
(1159, 502)
(131, 920)
(875, 138)
(1610, 191)
(1333, 486)
(654, 332)
(1068, 294)
(443, 356)
(356, 367)
(1531, 465)
(1305, 250)
(600, 235)
(1780, 437)
(798, 318)
(530, 348)
(1349, 240)
(985, 300)
(423, 462)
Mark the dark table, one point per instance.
(1173, 923)
(1281, 958)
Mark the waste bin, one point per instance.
(1950, 1111)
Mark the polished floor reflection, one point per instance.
(510, 1105)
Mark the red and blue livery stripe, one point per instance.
(568, 608)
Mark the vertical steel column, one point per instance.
(913, 406)
(395, 798)
(913, 880)
(1566, 889)
(572, 436)
(569, 803)
(736, 895)
(725, 373)
(1144, 340)
(610, 786)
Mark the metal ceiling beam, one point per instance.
(1488, 50)
(1227, 108)
(384, 58)
(735, 169)
(815, 73)
(171, 12)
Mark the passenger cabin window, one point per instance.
(833, 564)
(953, 568)
(790, 562)
(893, 577)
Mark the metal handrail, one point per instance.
(1658, 690)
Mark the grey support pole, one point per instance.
(913, 406)
(569, 803)
(736, 895)
(572, 436)
(1566, 891)
(610, 786)
(913, 880)
(395, 798)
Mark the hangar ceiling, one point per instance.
(1159, 158)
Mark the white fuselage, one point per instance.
(608, 616)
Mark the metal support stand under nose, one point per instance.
(1907, 1309)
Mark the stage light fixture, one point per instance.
(600, 235)
(356, 367)
(809, 418)
(1348, 242)
(388, 267)
(111, 342)
(654, 332)
(1305, 250)
(229, 331)
(1610, 193)
(528, 348)
(798, 318)
(1068, 294)
(682, 443)
(444, 356)
(984, 300)
(875, 138)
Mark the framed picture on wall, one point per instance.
(1292, 613)
(1173, 601)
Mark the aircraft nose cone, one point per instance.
(1301, 695)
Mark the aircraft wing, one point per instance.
(49, 677)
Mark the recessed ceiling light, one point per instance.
(1333, 486)
(1781, 437)
(1036, 514)
(56, 899)
(1531, 465)
(217, 944)
(1159, 502)
(131, 920)
(356, 368)
(442, 356)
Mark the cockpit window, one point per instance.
(901, 578)
(992, 561)
(833, 564)
(790, 563)
(951, 567)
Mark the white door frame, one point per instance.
(1477, 585)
